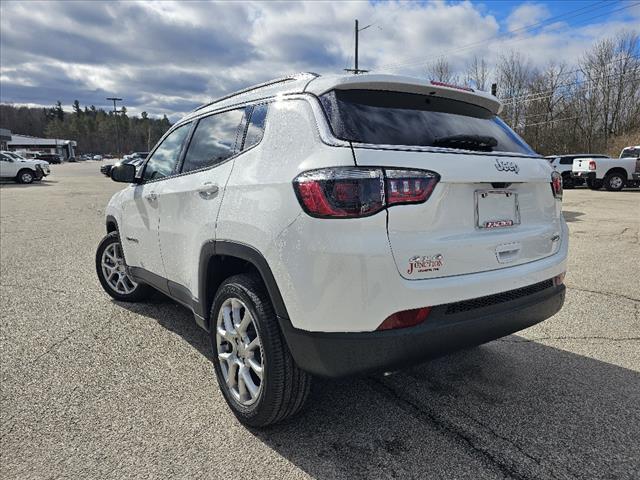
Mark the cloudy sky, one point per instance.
(168, 57)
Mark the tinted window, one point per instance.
(214, 140)
(630, 152)
(396, 118)
(566, 160)
(255, 131)
(163, 161)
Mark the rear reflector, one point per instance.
(406, 318)
(352, 192)
(559, 279)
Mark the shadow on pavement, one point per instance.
(510, 408)
(571, 216)
(12, 184)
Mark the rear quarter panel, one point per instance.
(259, 201)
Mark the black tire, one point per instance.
(594, 184)
(284, 387)
(25, 176)
(568, 182)
(140, 292)
(614, 182)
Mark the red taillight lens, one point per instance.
(409, 186)
(556, 185)
(341, 192)
(351, 192)
(592, 164)
(406, 318)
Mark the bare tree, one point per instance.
(441, 71)
(514, 74)
(477, 74)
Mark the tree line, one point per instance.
(94, 129)
(593, 107)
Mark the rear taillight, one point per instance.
(351, 192)
(592, 164)
(406, 318)
(556, 185)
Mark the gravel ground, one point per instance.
(95, 389)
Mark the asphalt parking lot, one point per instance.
(91, 388)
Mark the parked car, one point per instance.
(52, 158)
(336, 226)
(97, 157)
(21, 170)
(564, 164)
(141, 155)
(612, 173)
(44, 165)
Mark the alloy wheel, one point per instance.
(239, 351)
(114, 270)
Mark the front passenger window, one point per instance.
(165, 158)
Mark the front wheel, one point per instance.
(25, 176)
(113, 273)
(255, 370)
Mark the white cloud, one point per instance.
(526, 15)
(166, 57)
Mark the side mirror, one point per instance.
(125, 173)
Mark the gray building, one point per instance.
(64, 148)
(5, 136)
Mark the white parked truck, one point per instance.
(614, 174)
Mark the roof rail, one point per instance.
(260, 85)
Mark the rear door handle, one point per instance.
(208, 190)
(151, 197)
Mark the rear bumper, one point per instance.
(448, 328)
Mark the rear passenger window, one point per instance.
(566, 161)
(214, 140)
(256, 126)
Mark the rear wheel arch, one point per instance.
(220, 260)
(619, 170)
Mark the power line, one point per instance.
(535, 94)
(393, 67)
(543, 94)
(590, 8)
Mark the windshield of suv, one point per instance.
(397, 118)
(630, 153)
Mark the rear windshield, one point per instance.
(397, 118)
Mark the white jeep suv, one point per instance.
(339, 225)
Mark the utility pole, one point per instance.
(355, 69)
(115, 119)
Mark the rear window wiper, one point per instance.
(468, 142)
